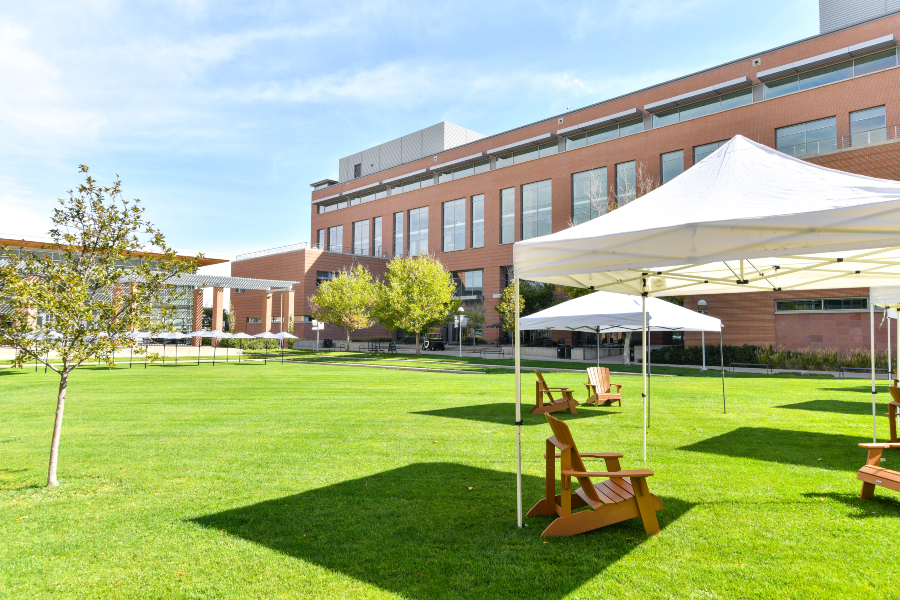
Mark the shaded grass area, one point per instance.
(311, 481)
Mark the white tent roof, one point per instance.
(746, 218)
(608, 312)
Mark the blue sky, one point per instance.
(218, 115)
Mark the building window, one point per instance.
(357, 171)
(868, 126)
(320, 239)
(254, 319)
(509, 275)
(469, 283)
(812, 137)
(508, 216)
(413, 184)
(239, 290)
(323, 276)
(418, 231)
(361, 237)
(701, 152)
(537, 204)
(398, 234)
(465, 171)
(857, 304)
(626, 185)
(671, 165)
(522, 156)
(478, 221)
(703, 107)
(589, 199)
(336, 238)
(605, 133)
(376, 237)
(454, 225)
(367, 197)
(832, 73)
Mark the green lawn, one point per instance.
(299, 480)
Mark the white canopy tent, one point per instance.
(746, 218)
(888, 298)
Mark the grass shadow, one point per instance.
(844, 407)
(11, 371)
(435, 530)
(879, 506)
(504, 413)
(806, 448)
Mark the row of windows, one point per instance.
(813, 137)
(703, 108)
(832, 73)
(823, 304)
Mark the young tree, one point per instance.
(231, 317)
(80, 284)
(346, 301)
(474, 313)
(644, 183)
(417, 295)
(507, 307)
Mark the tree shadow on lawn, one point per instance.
(845, 407)
(419, 532)
(879, 506)
(504, 413)
(788, 447)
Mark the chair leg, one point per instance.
(868, 490)
(645, 505)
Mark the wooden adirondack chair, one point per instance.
(873, 473)
(567, 402)
(893, 405)
(623, 496)
(599, 387)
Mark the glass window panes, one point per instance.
(526, 155)
(376, 237)
(507, 216)
(322, 276)
(665, 117)
(825, 75)
(361, 237)
(336, 239)
(418, 231)
(868, 126)
(478, 221)
(626, 186)
(548, 149)
(504, 161)
(320, 239)
(699, 109)
(589, 198)
(469, 283)
(398, 234)
(736, 99)
(875, 62)
(629, 127)
(454, 226)
(537, 204)
(780, 87)
(672, 165)
(603, 134)
(576, 141)
(701, 152)
(822, 304)
(798, 305)
(807, 138)
(415, 184)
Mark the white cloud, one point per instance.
(24, 218)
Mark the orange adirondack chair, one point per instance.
(623, 496)
(567, 402)
(873, 474)
(599, 387)
(892, 409)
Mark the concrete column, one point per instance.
(218, 305)
(267, 312)
(288, 310)
(198, 315)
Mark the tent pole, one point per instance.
(898, 346)
(872, 346)
(888, 316)
(518, 354)
(598, 347)
(644, 364)
(722, 365)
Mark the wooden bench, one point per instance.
(599, 387)
(623, 496)
(567, 402)
(873, 474)
(842, 368)
(485, 351)
(767, 366)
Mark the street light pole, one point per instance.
(702, 310)
(461, 320)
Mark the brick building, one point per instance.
(832, 99)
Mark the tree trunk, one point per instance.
(417, 344)
(57, 429)
(348, 340)
(626, 355)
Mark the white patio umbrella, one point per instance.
(218, 335)
(283, 335)
(136, 335)
(200, 333)
(166, 335)
(241, 336)
(177, 335)
(746, 218)
(266, 335)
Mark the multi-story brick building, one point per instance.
(832, 99)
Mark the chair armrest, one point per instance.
(618, 387)
(885, 445)
(594, 455)
(638, 473)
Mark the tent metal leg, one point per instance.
(874, 391)
(889, 342)
(644, 364)
(598, 347)
(518, 362)
(722, 365)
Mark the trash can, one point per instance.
(328, 343)
(569, 352)
(560, 352)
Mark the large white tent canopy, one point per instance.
(746, 218)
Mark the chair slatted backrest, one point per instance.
(594, 377)
(564, 436)
(895, 393)
(543, 383)
(604, 379)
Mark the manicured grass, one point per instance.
(315, 481)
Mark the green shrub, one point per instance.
(254, 344)
(806, 359)
(693, 355)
